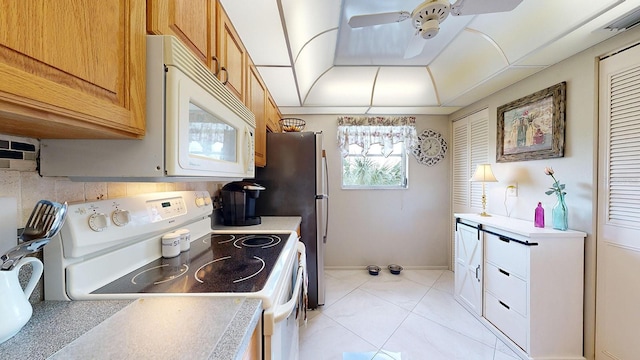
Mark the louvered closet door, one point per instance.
(618, 264)
(470, 147)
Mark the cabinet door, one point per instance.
(193, 22)
(273, 115)
(256, 96)
(468, 271)
(72, 68)
(231, 54)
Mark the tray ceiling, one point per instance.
(313, 62)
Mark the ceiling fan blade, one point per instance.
(378, 19)
(475, 7)
(415, 46)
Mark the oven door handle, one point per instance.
(283, 311)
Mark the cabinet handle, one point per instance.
(217, 67)
(503, 304)
(226, 78)
(505, 239)
(477, 273)
(504, 272)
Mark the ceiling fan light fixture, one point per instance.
(429, 29)
(437, 10)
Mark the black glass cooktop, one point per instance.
(215, 263)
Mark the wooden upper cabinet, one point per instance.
(72, 68)
(273, 115)
(256, 102)
(193, 22)
(232, 55)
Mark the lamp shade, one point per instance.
(484, 174)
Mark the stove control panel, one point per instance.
(164, 209)
(94, 226)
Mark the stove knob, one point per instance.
(98, 222)
(121, 217)
(199, 201)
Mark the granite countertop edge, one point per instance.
(236, 338)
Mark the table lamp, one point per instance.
(483, 174)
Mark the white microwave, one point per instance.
(195, 130)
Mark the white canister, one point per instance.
(170, 245)
(185, 239)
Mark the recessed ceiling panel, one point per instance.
(306, 19)
(497, 82)
(386, 44)
(398, 86)
(314, 60)
(346, 110)
(468, 61)
(534, 24)
(263, 19)
(412, 110)
(343, 86)
(281, 85)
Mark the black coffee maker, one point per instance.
(239, 203)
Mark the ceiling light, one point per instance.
(429, 29)
(625, 22)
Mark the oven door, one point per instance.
(281, 321)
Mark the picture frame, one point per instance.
(532, 127)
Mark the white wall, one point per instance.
(407, 227)
(577, 169)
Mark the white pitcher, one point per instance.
(15, 309)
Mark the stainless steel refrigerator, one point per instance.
(295, 179)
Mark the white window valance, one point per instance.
(384, 130)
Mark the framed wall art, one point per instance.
(532, 127)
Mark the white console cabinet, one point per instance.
(525, 283)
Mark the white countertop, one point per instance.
(518, 226)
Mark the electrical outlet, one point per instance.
(512, 190)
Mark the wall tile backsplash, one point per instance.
(18, 153)
(19, 179)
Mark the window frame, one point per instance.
(404, 161)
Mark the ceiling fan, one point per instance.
(427, 16)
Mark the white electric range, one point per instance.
(111, 249)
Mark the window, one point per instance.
(374, 151)
(374, 170)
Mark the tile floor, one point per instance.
(401, 317)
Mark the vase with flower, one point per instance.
(559, 213)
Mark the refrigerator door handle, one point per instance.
(326, 184)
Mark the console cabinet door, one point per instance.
(72, 68)
(469, 269)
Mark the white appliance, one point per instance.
(195, 129)
(111, 249)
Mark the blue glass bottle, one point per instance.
(560, 215)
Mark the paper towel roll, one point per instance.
(8, 223)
